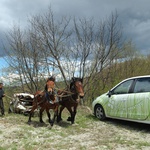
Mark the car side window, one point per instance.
(123, 88)
(142, 85)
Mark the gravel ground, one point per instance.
(88, 133)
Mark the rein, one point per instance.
(8, 97)
(68, 93)
(65, 91)
(36, 100)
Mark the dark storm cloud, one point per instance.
(136, 23)
(133, 14)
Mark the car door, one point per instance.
(139, 101)
(117, 103)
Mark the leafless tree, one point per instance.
(52, 38)
(38, 50)
(14, 51)
(107, 45)
(53, 46)
(23, 57)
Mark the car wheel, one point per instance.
(100, 113)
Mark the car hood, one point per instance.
(102, 99)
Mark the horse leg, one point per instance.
(51, 121)
(31, 113)
(40, 117)
(59, 114)
(48, 115)
(72, 115)
(55, 114)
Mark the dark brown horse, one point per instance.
(46, 100)
(70, 99)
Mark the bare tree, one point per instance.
(14, 51)
(52, 38)
(107, 46)
(23, 57)
(53, 46)
(84, 31)
(38, 50)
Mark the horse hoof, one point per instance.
(49, 126)
(69, 119)
(51, 123)
(58, 120)
(29, 122)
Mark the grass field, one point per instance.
(88, 133)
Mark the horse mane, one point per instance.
(52, 78)
(74, 79)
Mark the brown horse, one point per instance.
(70, 99)
(46, 100)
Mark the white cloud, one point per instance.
(9, 78)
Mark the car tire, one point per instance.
(100, 113)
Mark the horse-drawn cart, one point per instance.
(21, 103)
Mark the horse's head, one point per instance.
(77, 86)
(50, 84)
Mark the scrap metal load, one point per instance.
(21, 103)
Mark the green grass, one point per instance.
(87, 132)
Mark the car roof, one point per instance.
(135, 77)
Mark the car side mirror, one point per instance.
(109, 93)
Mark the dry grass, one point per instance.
(87, 133)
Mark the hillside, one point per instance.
(87, 133)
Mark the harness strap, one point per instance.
(47, 96)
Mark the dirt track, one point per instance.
(87, 134)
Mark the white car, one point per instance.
(128, 100)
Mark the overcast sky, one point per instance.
(134, 15)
